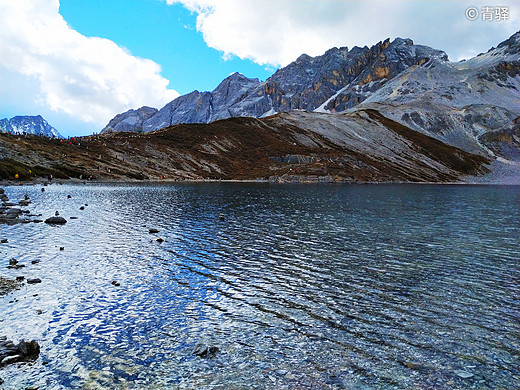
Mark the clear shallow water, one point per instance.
(302, 286)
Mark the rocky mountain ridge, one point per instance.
(28, 125)
(337, 80)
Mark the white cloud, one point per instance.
(276, 32)
(90, 79)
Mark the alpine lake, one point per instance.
(266, 286)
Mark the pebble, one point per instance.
(4, 241)
(34, 281)
(159, 240)
(152, 231)
(82, 208)
(116, 283)
(463, 374)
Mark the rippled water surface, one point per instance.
(301, 286)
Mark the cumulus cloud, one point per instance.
(88, 78)
(276, 32)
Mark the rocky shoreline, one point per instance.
(13, 213)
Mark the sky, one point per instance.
(78, 63)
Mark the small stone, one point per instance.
(20, 278)
(57, 213)
(43, 189)
(82, 208)
(464, 374)
(69, 196)
(152, 231)
(159, 240)
(9, 359)
(4, 241)
(205, 351)
(13, 262)
(17, 266)
(62, 248)
(116, 283)
(39, 311)
(34, 281)
(73, 217)
(35, 261)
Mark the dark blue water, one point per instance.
(300, 287)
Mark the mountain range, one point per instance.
(394, 112)
(35, 125)
(473, 104)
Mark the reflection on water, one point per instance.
(301, 286)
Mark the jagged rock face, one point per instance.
(204, 107)
(132, 120)
(341, 79)
(459, 103)
(28, 125)
(334, 81)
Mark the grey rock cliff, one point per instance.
(334, 81)
(131, 120)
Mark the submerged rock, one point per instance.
(152, 231)
(464, 374)
(205, 351)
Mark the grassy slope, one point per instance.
(237, 148)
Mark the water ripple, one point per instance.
(300, 287)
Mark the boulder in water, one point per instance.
(56, 221)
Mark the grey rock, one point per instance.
(131, 120)
(34, 281)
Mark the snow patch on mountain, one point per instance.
(29, 125)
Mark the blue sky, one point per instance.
(79, 63)
(165, 33)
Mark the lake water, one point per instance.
(300, 287)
